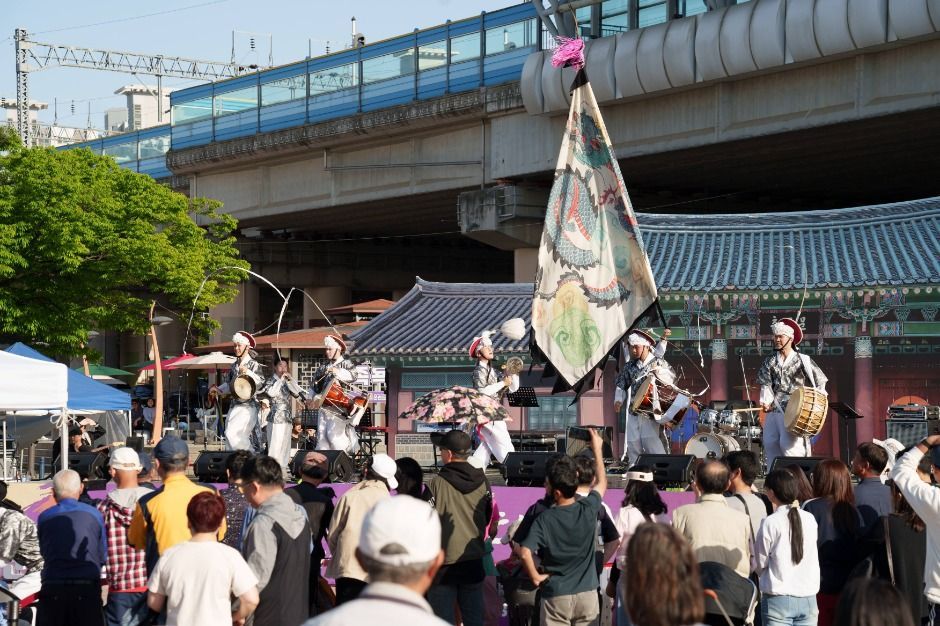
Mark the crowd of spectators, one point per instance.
(802, 550)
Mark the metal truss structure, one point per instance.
(33, 56)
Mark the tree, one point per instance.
(86, 244)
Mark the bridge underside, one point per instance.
(882, 159)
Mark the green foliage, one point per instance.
(9, 138)
(85, 244)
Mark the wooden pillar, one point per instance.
(392, 385)
(864, 390)
(719, 370)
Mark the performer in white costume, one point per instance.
(242, 430)
(778, 376)
(277, 394)
(643, 433)
(494, 436)
(335, 429)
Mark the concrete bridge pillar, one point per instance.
(326, 298)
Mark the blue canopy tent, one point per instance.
(84, 393)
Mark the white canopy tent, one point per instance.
(29, 384)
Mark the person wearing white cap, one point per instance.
(348, 516)
(643, 433)
(494, 436)
(335, 429)
(242, 430)
(400, 549)
(127, 566)
(778, 376)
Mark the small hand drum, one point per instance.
(244, 387)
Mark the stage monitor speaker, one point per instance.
(210, 466)
(526, 469)
(577, 440)
(911, 432)
(89, 465)
(807, 463)
(340, 466)
(669, 470)
(135, 443)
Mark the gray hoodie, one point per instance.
(260, 545)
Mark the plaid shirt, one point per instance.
(127, 567)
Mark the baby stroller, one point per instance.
(730, 599)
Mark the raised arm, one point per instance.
(597, 447)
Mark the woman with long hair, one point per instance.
(900, 551)
(804, 487)
(839, 531)
(785, 555)
(872, 602)
(641, 503)
(666, 589)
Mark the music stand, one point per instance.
(522, 397)
(848, 416)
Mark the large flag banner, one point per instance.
(594, 279)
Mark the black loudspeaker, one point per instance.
(669, 470)
(340, 466)
(135, 443)
(89, 465)
(526, 469)
(577, 440)
(210, 466)
(807, 463)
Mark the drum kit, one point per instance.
(724, 431)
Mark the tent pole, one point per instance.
(64, 439)
(5, 476)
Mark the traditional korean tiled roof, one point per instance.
(443, 318)
(885, 245)
(307, 338)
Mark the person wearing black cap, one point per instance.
(76, 445)
(160, 520)
(462, 496)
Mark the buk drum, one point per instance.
(347, 399)
(806, 412)
(673, 402)
(711, 445)
(708, 419)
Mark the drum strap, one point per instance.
(748, 511)
(807, 371)
(888, 549)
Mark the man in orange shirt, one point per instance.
(159, 520)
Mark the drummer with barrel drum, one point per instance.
(339, 406)
(242, 430)
(792, 392)
(646, 385)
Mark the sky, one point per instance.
(200, 29)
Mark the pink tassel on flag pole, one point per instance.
(569, 53)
